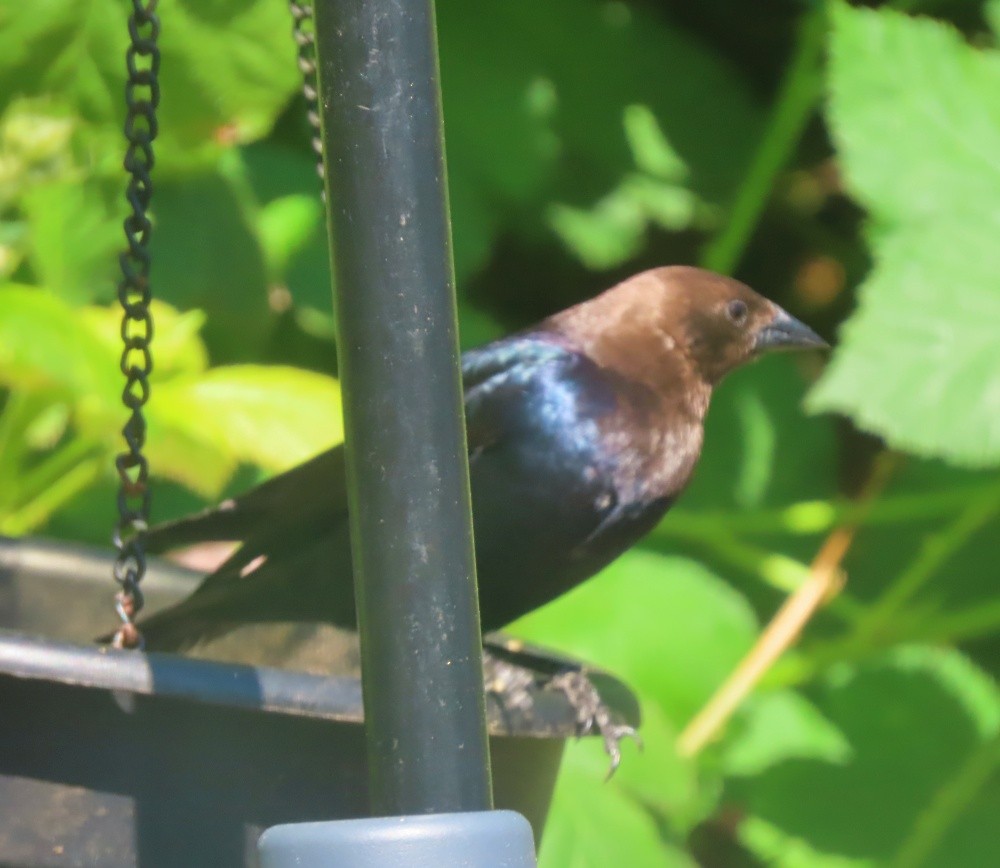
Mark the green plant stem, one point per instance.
(797, 99)
(882, 624)
(813, 517)
(55, 465)
(17, 414)
(50, 485)
(935, 551)
(947, 805)
(776, 570)
(965, 624)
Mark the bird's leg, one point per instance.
(592, 713)
(519, 679)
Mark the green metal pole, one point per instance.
(411, 527)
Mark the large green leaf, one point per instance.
(44, 348)
(665, 624)
(593, 824)
(207, 254)
(552, 126)
(75, 239)
(915, 113)
(202, 423)
(760, 448)
(271, 416)
(228, 63)
(917, 720)
(778, 726)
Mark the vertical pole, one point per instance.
(407, 467)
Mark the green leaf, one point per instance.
(760, 448)
(777, 849)
(774, 727)
(680, 792)
(75, 240)
(685, 630)
(177, 347)
(286, 225)
(651, 150)
(76, 49)
(914, 112)
(208, 255)
(271, 416)
(913, 717)
(593, 824)
(43, 347)
(551, 130)
(991, 12)
(227, 65)
(604, 236)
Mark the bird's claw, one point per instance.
(593, 714)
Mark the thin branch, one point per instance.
(824, 582)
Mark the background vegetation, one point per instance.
(843, 160)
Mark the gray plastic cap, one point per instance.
(480, 839)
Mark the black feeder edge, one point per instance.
(119, 758)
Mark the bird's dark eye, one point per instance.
(737, 311)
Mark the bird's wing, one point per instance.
(498, 380)
(315, 489)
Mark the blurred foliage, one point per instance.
(832, 156)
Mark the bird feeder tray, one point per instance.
(120, 758)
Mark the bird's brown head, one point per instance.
(647, 325)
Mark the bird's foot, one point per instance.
(593, 714)
(511, 685)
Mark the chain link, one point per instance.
(142, 96)
(305, 39)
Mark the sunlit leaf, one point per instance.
(227, 64)
(651, 150)
(915, 114)
(272, 416)
(176, 346)
(42, 346)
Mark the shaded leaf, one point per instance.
(208, 255)
(592, 823)
(912, 718)
(760, 447)
(781, 850)
(685, 629)
(75, 240)
(777, 726)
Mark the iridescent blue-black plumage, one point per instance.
(582, 432)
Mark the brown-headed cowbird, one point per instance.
(583, 430)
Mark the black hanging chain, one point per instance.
(305, 39)
(142, 96)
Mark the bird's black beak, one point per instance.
(785, 332)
